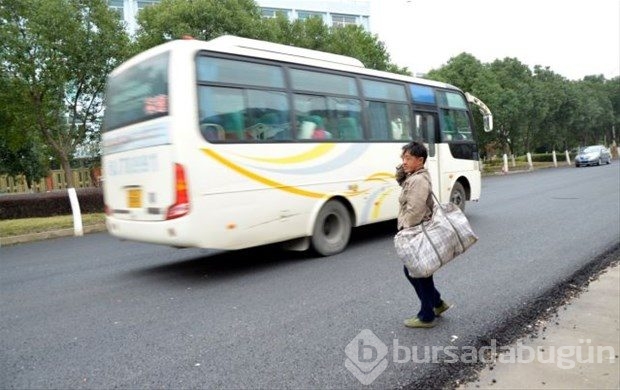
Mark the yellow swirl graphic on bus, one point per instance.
(376, 210)
(374, 197)
(318, 151)
(262, 179)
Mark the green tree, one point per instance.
(547, 94)
(57, 55)
(613, 91)
(208, 19)
(470, 75)
(21, 152)
(594, 116)
(200, 19)
(28, 159)
(464, 71)
(515, 102)
(354, 41)
(561, 126)
(539, 110)
(310, 33)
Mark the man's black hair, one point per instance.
(416, 149)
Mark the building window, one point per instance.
(341, 20)
(303, 15)
(117, 6)
(365, 24)
(145, 3)
(270, 13)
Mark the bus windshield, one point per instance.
(138, 94)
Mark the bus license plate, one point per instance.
(134, 198)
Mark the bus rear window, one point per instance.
(138, 94)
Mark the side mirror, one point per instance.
(487, 116)
(488, 123)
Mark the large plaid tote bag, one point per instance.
(426, 247)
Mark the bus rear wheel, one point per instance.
(332, 229)
(458, 196)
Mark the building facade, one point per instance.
(336, 13)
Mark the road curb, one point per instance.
(587, 322)
(12, 240)
(520, 324)
(519, 171)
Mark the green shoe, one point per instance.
(415, 322)
(444, 306)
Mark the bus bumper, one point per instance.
(174, 232)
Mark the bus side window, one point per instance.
(233, 126)
(389, 121)
(349, 129)
(431, 130)
(268, 116)
(212, 131)
(221, 109)
(424, 130)
(447, 125)
(455, 125)
(223, 127)
(311, 117)
(400, 121)
(379, 121)
(345, 124)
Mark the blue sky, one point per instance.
(574, 38)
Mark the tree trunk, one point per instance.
(64, 163)
(26, 186)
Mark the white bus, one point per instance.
(234, 143)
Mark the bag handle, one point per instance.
(445, 214)
(433, 193)
(428, 238)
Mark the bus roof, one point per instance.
(267, 49)
(230, 44)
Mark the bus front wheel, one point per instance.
(458, 196)
(332, 229)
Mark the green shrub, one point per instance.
(47, 204)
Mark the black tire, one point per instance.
(458, 195)
(332, 229)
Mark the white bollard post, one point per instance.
(77, 215)
(555, 160)
(529, 161)
(567, 157)
(505, 167)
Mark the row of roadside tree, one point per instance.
(56, 54)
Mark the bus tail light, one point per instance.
(107, 210)
(181, 204)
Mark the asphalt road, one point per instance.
(95, 312)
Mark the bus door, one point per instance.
(426, 126)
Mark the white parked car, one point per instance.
(593, 155)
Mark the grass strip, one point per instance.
(18, 227)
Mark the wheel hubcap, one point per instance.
(331, 226)
(457, 199)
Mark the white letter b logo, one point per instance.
(366, 357)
